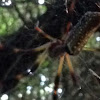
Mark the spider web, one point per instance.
(39, 85)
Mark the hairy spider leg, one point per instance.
(44, 34)
(91, 49)
(70, 12)
(37, 49)
(19, 50)
(72, 73)
(57, 78)
(70, 17)
(40, 59)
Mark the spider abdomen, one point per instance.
(82, 31)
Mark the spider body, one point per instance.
(73, 44)
(78, 36)
(57, 48)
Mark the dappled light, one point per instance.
(50, 50)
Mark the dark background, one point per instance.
(17, 21)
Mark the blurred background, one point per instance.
(17, 21)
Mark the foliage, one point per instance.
(17, 22)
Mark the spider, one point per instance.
(71, 43)
(78, 37)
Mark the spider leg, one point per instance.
(45, 34)
(37, 49)
(57, 78)
(40, 59)
(70, 18)
(70, 12)
(91, 49)
(5, 83)
(71, 69)
(19, 50)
